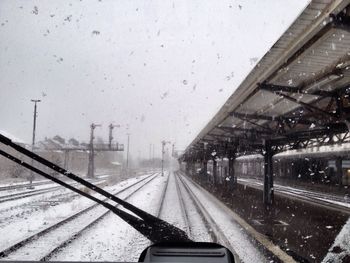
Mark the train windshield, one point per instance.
(128, 123)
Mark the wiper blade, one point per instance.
(154, 228)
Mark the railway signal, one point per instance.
(91, 165)
(110, 138)
(163, 151)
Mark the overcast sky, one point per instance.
(161, 68)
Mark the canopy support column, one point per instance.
(205, 168)
(215, 171)
(268, 174)
(193, 168)
(187, 168)
(231, 171)
(339, 167)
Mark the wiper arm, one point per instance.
(154, 228)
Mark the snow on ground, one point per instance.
(341, 246)
(24, 183)
(46, 243)
(18, 210)
(198, 231)
(45, 214)
(11, 136)
(113, 239)
(240, 242)
(171, 210)
(24, 190)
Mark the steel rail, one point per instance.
(66, 242)
(148, 225)
(212, 227)
(11, 249)
(183, 207)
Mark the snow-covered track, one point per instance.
(183, 208)
(24, 185)
(161, 203)
(43, 244)
(29, 193)
(15, 196)
(213, 229)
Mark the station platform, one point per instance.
(305, 228)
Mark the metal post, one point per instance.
(163, 145)
(127, 156)
(187, 167)
(153, 157)
(150, 157)
(215, 171)
(110, 137)
(66, 158)
(339, 167)
(205, 168)
(91, 165)
(163, 151)
(31, 176)
(231, 170)
(193, 168)
(268, 175)
(221, 171)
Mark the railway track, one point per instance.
(162, 198)
(38, 183)
(334, 202)
(16, 196)
(183, 207)
(221, 231)
(25, 185)
(10, 214)
(45, 243)
(11, 197)
(213, 229)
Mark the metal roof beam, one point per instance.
(233, 129)
(246, 117)
(252, 116)
(278, 88)
(341, 22)
(287, 119)
(306, 105)
(331, 129)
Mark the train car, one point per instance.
(326, 164)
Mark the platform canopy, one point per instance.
(298, 93)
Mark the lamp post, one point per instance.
(127, 155)
(31, 177)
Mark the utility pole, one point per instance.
(153, 168)
(127, 156)
(150, 156)
(111, 127)
(163, 151)
(91, 165)
(31, 177)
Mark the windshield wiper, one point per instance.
(154, 228)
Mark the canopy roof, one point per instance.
(298, 91)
